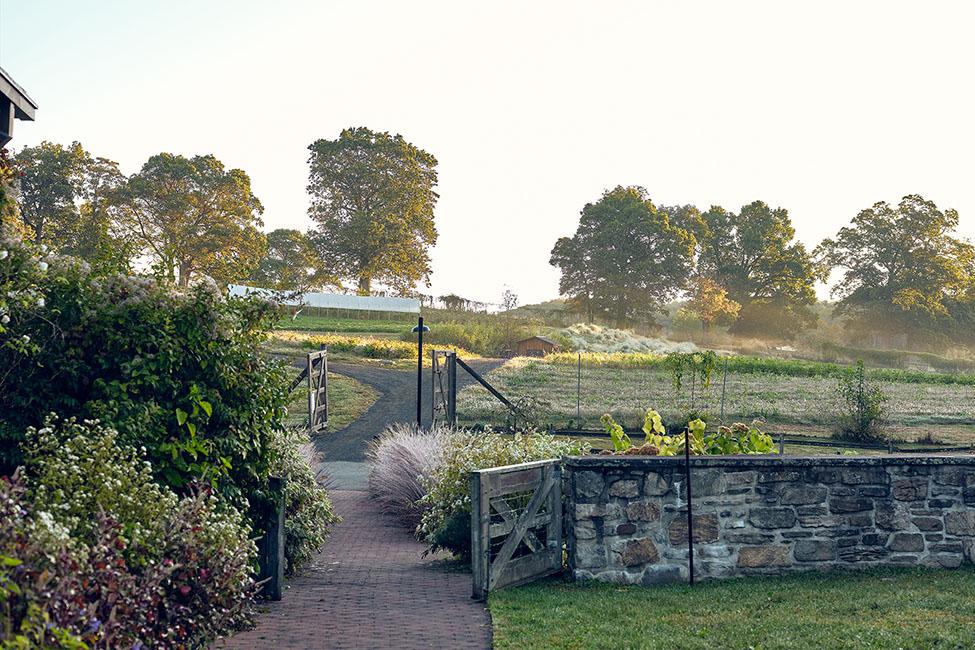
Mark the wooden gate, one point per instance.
(317, 391)
(516, 524)
(443, 406)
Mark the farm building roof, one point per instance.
(540, 338)
(334, 300)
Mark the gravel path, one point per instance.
(396, 403)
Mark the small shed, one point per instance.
(14, 104)
(535, 346)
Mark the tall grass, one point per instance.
(487, 336)
(360, 346)
(399, 460)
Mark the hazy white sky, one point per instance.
(532, 108)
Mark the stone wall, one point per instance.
(627, 519)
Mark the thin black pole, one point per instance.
(690, 518)
(579, 391)
(419, 373)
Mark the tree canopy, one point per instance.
(903, 270)
(754, 256)
(372, 198)
(626, 260)
(193, 216)
(291, 264)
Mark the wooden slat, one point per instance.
(503, 528)
(480, 540)
(511, 520)
(529, 567)
(511, 543)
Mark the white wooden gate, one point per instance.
(516, 524)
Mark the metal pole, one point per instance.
(579, 391)
(419, 373)
(690, 517)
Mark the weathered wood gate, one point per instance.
(317, 391)
(443, 405)
(516, 524)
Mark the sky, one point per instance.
(532, 108)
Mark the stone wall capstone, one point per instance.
(627, 520)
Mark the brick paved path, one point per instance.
(370, 588)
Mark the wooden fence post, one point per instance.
(480, 518)
(271, 545)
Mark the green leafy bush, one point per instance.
(307, 508)
(446, 520)
(861, 405)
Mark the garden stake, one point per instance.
(690, 520)
(724, 383)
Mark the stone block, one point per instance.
(950, 547)
(584, 529)
(705, 530)
(969, 496)
(661, 574)
(777, 475)
(933, 537)
(800, 495)
(928, 524)
(602, 510)
(864, 475)
(875, 491)
(748, 538)
(588, 484)
(769, 555)
(638, 551)
(655, 485)
(862, 553)
(770, 518)
(948, 475)
(625, 488)
(910, 489)
(643, 511)
(841, 505)
(941, 503)
(814, 550)
(960, 523)
(739, 479)
(891, 516)
(797, 534)
(626, 529)
(875, 539)
(906, 543)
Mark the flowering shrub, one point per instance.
(78, 469)
(307, 508)
(446, 520)
(593, 338)
(100, 536)
(401, 462)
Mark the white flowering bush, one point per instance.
(76, 469)
(446, 521)
(22, 270)
(593, 338)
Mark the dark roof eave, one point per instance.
(24, 105)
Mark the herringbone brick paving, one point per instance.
(370, 588)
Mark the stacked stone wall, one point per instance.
(627, 517)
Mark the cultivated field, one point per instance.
(920, 406)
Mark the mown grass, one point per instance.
(348, 399)
(324, 324)
(877, 608)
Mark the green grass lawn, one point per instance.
(348, 399)
(342, 325)
(891, 608)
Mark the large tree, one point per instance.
(903, 270)
(626, 260)
(753, 255)
(372, 198)
(193, 216)
(65, 194)
(291, 264)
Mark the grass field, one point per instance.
(892, 608)
(323, 324)
(802, 404)
(347, 400)
(353, 348)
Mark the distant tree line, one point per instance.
(372, 200)
(904, 272)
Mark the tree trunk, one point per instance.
(365, 283)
